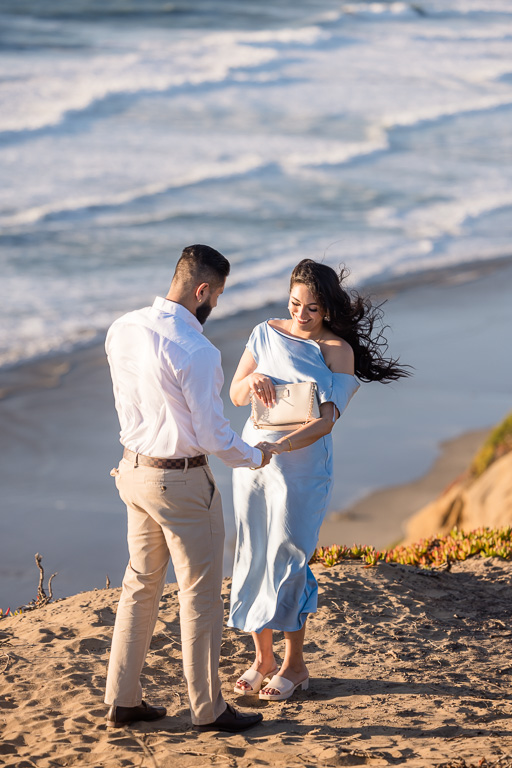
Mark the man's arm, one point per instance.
(201, 382)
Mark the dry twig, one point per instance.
(42, 597)
(41, 594)
(50, 590)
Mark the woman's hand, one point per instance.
(277, 448)
(263, 388)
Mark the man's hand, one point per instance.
(267, 453)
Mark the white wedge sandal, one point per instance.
(253, 678)
(285, 688)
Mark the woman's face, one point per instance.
(306, 313)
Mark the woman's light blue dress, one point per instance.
(279, 509)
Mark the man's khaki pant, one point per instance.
(176, 513)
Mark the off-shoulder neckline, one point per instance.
(308, 341)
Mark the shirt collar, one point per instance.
(178, 310)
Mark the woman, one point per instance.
(279, 509)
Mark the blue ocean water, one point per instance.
(374, 134)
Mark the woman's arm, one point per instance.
(246, 381)
(339, 357)
(309, 433)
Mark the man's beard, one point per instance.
(203, 311)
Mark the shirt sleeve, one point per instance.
(340, 392)
(201, 382)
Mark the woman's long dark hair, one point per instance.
(353, 318)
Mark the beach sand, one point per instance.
(60, 432)
(406, 668)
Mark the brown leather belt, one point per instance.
(153, 461)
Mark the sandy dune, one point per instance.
(407, 668)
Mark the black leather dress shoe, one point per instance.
(118, 717)
(231, 720)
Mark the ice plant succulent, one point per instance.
(434, 552)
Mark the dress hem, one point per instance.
(269, 625)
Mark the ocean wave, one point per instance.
(280, 155)
(428, 115)
(398, 11)
(447, 218)
(318, 154)
(309, 35)
(205, 173)
(337, 154)
(55, 91)
(499, 33)
(422, 8)
(381, 10)
(88, 87)
(65, 87)
(273, 143)
(467, 7)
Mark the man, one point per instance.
(167, 379)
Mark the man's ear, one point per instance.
(202, 291)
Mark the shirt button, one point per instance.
(164, 487)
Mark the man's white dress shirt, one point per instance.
(167, 380)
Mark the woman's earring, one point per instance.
(327, 318)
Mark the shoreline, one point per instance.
(402, 501)
(49, 370)
(61, 429)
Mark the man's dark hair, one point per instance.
(200, 263)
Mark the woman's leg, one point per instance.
(293, 667)
(264, 662)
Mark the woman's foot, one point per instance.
(296, 676)
(252, 680)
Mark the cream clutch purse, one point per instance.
(296, 404)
